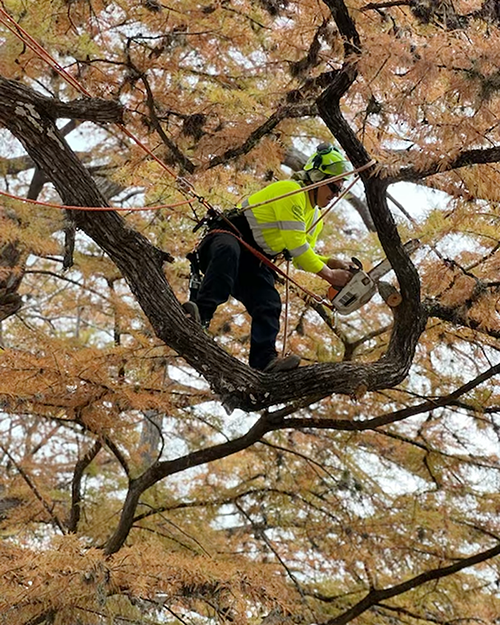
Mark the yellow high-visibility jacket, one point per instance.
(283, 224)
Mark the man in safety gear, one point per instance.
(286, 224)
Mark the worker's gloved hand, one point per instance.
(336, 277)
(335, 263)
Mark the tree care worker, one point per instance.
(280, 225)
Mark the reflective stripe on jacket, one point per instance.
(283, 224)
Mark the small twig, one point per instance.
(384, 5)
(34, 489)
(260, 531)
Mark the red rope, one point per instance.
(94, 208)
(263, 258)
(29, 41)
(287, 302)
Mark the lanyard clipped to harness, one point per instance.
(188, 190)
(194, 276)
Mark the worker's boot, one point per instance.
(287, 363)
(192, 311)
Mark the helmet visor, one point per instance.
(335, 169)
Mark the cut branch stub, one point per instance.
(389, 293)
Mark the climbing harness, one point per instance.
(262, 257)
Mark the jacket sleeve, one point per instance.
(292, 225)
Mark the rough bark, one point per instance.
(31, 119)
(410, 318)
(477, 156)
(11, 274)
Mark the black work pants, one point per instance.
(231, 269)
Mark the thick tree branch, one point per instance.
(410, 320)
(86, 109)
(141, 264)
(393, 417)
(160, 470)
(76, 495)
(457, 315)
(374, 597)
(96, 110)
(265, 424)
(464, 159)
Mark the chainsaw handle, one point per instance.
(356, 265)
(334, 289)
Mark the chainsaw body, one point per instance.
(363, 286)
(356, 293)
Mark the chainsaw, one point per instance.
(363, 285)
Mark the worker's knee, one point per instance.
(274, 301)
(267, 304)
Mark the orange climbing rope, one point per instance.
(95, 208)
(184, 185)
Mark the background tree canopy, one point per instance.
(148, 474)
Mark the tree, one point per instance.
(151, 476)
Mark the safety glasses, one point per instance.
(335, 187)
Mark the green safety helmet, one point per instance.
(327, 161)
